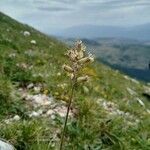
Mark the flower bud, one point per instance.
(91, 59)
(80, 54)
(82, 79)
(79, 44)
(67, 68)
(86, 60)
(72, 76)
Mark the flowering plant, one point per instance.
(78, 59)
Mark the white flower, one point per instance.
(67, 68)
(26, 33)
(33, 42)
(82, 79)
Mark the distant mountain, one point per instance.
(140, 32)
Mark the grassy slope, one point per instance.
(90, 127)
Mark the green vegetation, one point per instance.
(107, 111)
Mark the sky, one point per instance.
(50, 16)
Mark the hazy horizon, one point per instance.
(52, 16)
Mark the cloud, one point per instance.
(52, 15)
(53, 8)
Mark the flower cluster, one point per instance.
(78, 59)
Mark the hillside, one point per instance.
(111, 111)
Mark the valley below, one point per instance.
(129, 56)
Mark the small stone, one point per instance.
(20, 89)
(131, 92)
(31, 85)
(50, 112)
(42, 99)
(135, 81)
(140, 102)
(53, 116)
(5, 146)
(12, 55)
(137, 121)
(7, 121)
(34, 114)
(126, 77)
(40, 111)
(37, 89)
(28, 97)
(61, 111)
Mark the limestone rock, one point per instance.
(5, 146)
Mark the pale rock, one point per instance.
(53, 116)
(131, 92)
(140, 102)
(37, 89)
(28, 97)
(40, 111)
(147, 90)
(50, 112)
(12, 55)
(20, 89)
(6, 146)
(8, 121)
(135, 81)
(31, 85)
(61, 111)
(34, 114)
(137, 121)
(127, 114)
(126, 77)
(42, 99)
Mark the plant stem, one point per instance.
(67, 115)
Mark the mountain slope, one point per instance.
(110, 111)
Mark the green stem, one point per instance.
(66, 119)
